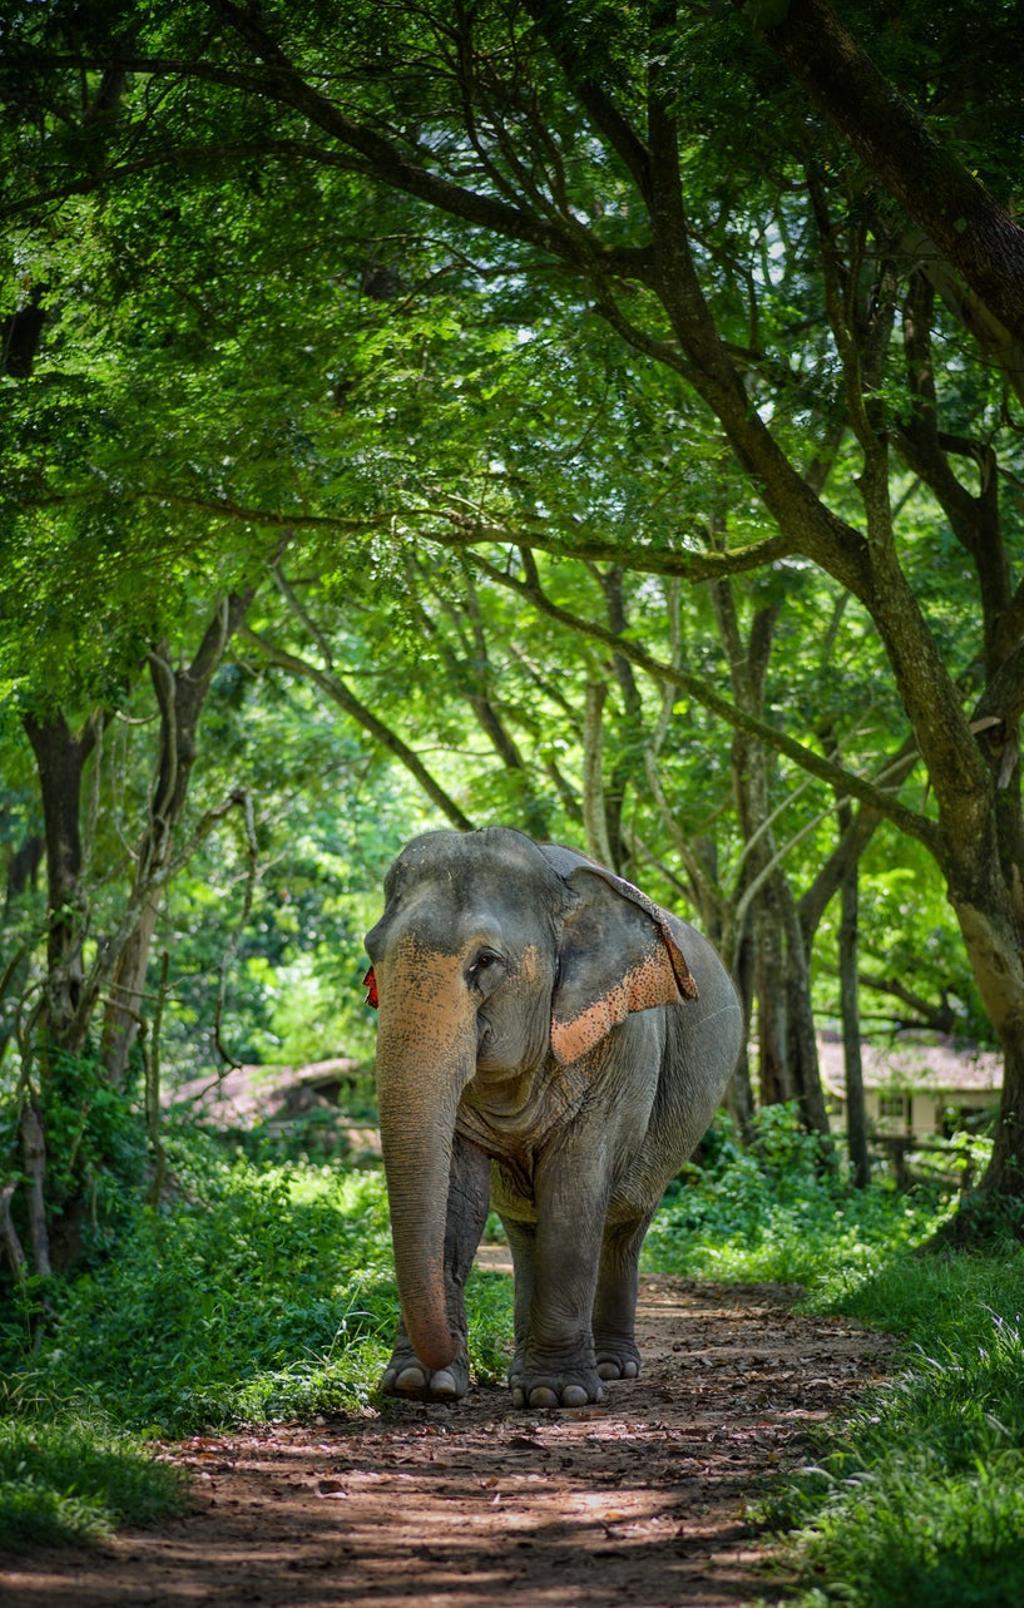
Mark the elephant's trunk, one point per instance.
(426, 1054)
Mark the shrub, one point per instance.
(258, 1293)
(781, 1210)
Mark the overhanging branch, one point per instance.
(334, 688)
(184, 156)
(650, 560)
(843, 781)
(464, 532)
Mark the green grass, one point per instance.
(77, 1482)
(262, 1292)
(918, 1497)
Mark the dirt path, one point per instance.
(640, 1500)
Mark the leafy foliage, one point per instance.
(776, 1210)
(259, 1292)
(77, 1481)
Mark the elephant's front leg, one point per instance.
(555, 1364)
(469, 1187)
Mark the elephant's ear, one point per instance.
(618, 954)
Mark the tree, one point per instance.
(725, 240)
(926, 175)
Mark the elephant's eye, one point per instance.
(486, 960)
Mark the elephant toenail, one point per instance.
(608, 1370)
(574, 1396)
(410, 1379)
(630, 1369)
(518, 1398)
(541, 1396)
(442, 1383)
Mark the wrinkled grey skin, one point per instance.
(485, 939)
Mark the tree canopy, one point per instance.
(601, 419)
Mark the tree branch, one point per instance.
(15, 1252)
(387, 163)
(335, 689)
(843, 781)
(601, 110)
(195, 157)
(692, 566)
(936, 189)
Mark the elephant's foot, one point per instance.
(617, 1359)
(566, 1386)
(405, 1375)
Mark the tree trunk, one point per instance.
(33, 1144)
(776, 1083)
(1005, 1172)
(180, 697)
(986, 916)
(739, 1096)
(21, 875)
(856, 1118)
(595, 817)
(21, 871)
(801, 1041)
(60, 760)
(127, 988)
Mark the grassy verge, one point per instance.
(77, 1481)
(918, 1498)
(262, 1292)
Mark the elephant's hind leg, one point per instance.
(522, 1239)
(556, 1264)
(469, 1188)
(615, 1347)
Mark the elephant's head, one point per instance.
(493, 955)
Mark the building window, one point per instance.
(894, 1107)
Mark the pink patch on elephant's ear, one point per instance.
(370, 984)
(651, 982)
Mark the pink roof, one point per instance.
(932, 1068)
(246, 1093)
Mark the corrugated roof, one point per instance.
(931, 1068)
(246, 1093)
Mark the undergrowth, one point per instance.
(780, 1210)
(917, 1498)
(77, 1481)
(257, 1293)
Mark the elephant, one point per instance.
(551, 1039)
